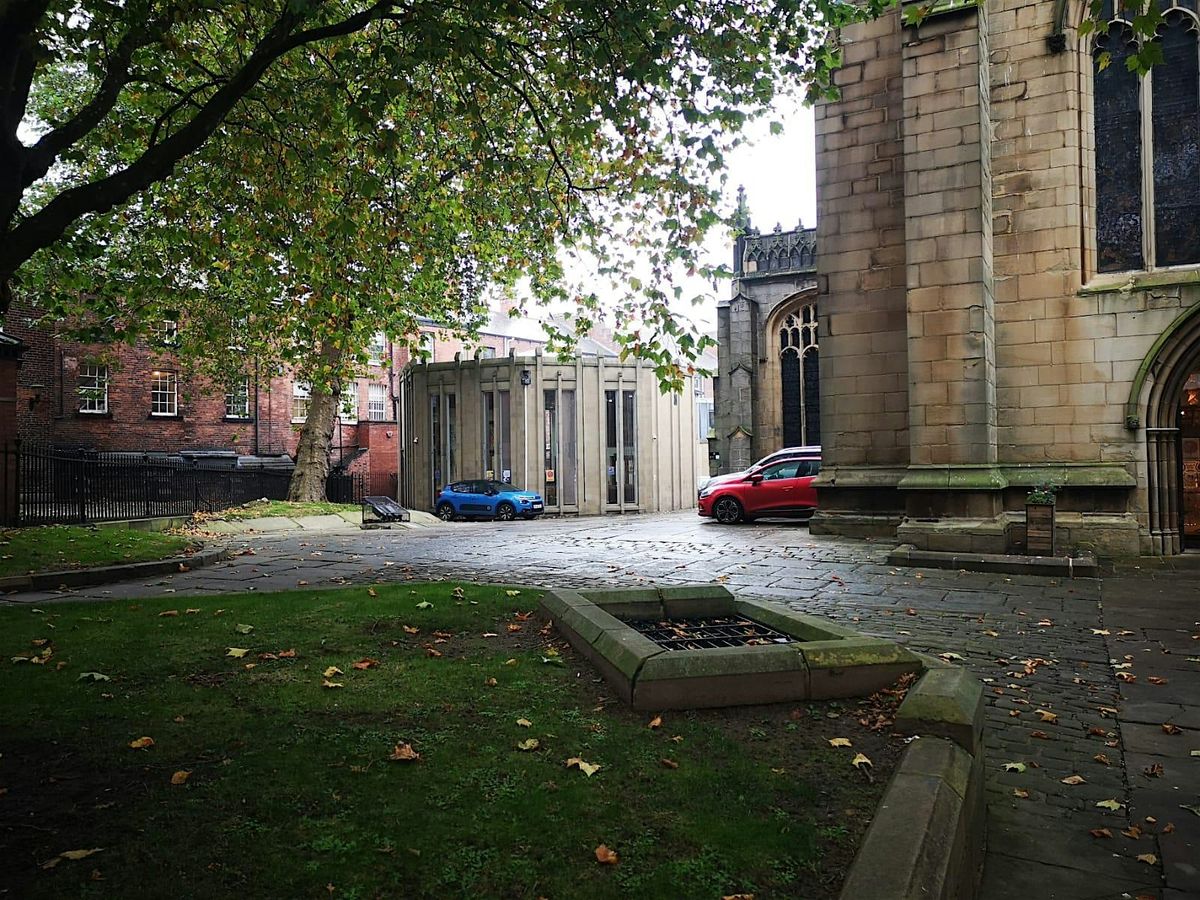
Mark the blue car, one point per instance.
(487, 499)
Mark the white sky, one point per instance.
(779, 174)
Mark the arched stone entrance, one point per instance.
(1169, 382)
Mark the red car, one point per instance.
(782, 488)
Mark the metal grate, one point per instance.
(708, 634)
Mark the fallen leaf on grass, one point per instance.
(168, 614)
(243, 629)
(490, 682)
(371, 592)
(180, 777)
(237, 652)
(411, 629)
(1073, 779)
(93, 676)
(1148, 858)
(523, 616)
(513, 593)
(365, 663)
(1100, 833)
(424, 604)
(738, 897)
(331, 684)
(656, 722)
(331, 671)
(287, 654)
(404, 753)
(512, 626)
(432, 652)
(840, 742)
(550, 661)
(606, 857)
(587, 768)
(1112, 805)
(513, 661)
(530, 744)
(141, 743)
(669, 763)
(861, 761)
(70, 854)
(524, 723)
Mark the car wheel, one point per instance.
(506, 512)
(727, 511)
(445, 512)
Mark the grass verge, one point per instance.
(290, 789)
(55, 547)
(260, 509)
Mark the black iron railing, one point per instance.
(40, 486)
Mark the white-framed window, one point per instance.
(426, 344)
(164, 394)
(300, 396)
(168, 332)
(376, 403)
(1147, 140)
(704, 419)
(93, 388)
(487, 352)
(349, 414)
(377, 350)
(237, 400)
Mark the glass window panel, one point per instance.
(489, 435)
(1118, 156)
(435, 442)
(610, 444)
(1175, 89)
(629, 443)
(376, 402)
(300, 397)
(812, 398)
(568, 473)
(451, 437)
(237, 400)
(349, 411)
(793, 434)
(502, 423)
(550, 445)
(93, 388)
(164, 397)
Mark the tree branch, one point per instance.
(50, 222)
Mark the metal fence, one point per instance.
(40, 486)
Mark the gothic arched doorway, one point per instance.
(800, 378)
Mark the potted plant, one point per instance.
(1039, 520)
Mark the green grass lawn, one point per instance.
(261, 509)
(292, 793)
(55, 547)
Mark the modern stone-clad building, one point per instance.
(768, 372)
(1009, 278)
(593, 435)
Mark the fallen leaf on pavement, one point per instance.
(1047, 716)
(1112, 805)
(606, 857)
(70, 854)
(1154, 679)
(949, 656)
(1148, 858)
(1020, 794)
(1014, 767)
(1171, 728)
(1154, 771)
(1100, 833)
(1073, 779)
(1102, 759)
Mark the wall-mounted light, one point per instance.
(526, 377)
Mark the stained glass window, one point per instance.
(1175, 89)
(800, 378)
(1118, 155)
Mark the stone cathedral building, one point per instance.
(1008, 282)
(768, 364)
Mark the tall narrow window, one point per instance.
(451, 437)
(349, 411)
(93, 388)
(376, 402)
(237, 400)
(567, 469)
(300, 397)
(488, 425)
(505, 436)
(435, 441)
(550, 445)
(611, 459)
(377, 353)
(800, 378)
(1148, 147)
(164, 394)
(629, 443)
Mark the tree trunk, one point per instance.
(316, 435)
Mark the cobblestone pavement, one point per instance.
(1044, 649)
